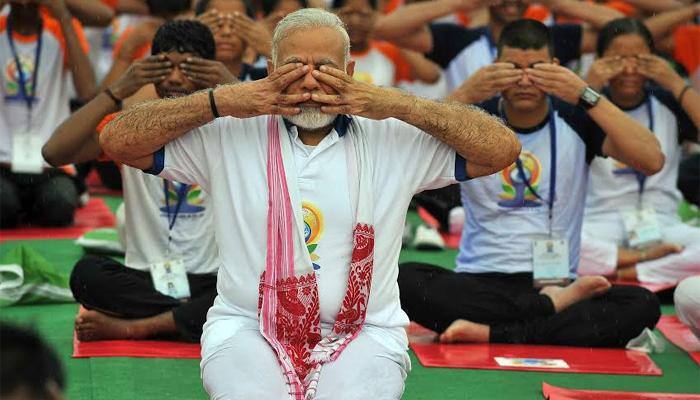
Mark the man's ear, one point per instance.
(270, 67)
(350, 69)
(555, 61)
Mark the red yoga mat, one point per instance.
(652, 287)
(95, 214)
(135, 348)
(556, 393)
(528, 357)
(680, 335)
(451, 241)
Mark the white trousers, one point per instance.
(687, 301)
(603, 234)
(245, 367)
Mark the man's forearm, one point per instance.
(91, 12)
(475, 135)
(596, 15)
(411, 18)
(626, 139)
(144, 129)
(78, 62)
(662, 24)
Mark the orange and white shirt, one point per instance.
(687, 51)
(52, 94)
(381, 65)
(103, 40)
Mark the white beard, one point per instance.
(311, 118)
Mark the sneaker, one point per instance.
(428, 238)
(456, 221)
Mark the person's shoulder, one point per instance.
(664, 97)
(254, 73)
(490, 105)
(457, 33)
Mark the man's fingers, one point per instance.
(340, 74)
(292, 99)
(345, 109)
(330, 99)
(507, 73)
(284, 69)
(200, 68)
(286, 79)
(336, 83)
(283, 110)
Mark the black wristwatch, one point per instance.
(589, 98)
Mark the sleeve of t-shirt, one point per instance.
(54, 27)
(422, 161)
(401, 67)
(449, 40)
(187, 158)
(101, 126)
(567, 42)
(590, 132)
(686, 128)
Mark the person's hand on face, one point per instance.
(604, 69)
(207, 73)
(657, 69)
(489, 81)
(264, 96)
(557, 81)
(211, 18)
(352, 97)
(255, 33)
(153, 69)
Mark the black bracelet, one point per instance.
(680, 96)
(212, 104)
(114, 98)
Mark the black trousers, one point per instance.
(46, 199)
(515, 311)
(102, 284)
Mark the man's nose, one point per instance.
(308, 81)
(525, 79)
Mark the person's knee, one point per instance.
(643, 311)
(86, 277)
(56, 202)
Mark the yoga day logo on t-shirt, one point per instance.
(313, 229)
(191, 203)
(515, 190)
(365, 77)
(12, 91)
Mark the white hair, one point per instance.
(308, 18)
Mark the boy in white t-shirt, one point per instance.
(40, 51)
(165, 220)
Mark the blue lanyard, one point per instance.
(181, 193)
(641, 178)
(29, 98)
(552, 168)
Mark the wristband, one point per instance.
(114, 98)
(682, 93)
(212, 104)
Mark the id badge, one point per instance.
(170, 278)
(550, 261)
(26, 154)
(641, 227)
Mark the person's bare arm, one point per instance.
(664, 23)
(422, 69)
(656, 6)
(78, 62)
(91, 12)
(626, 139)
(138, 7)
(135, 135)
(594, 14)
(483, 140)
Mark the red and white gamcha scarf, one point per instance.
(288, 306)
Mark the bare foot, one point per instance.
(93, 325)
(582, 288)
(627, 274)
(466, 332)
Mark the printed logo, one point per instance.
(515, 191)
(313, 229)
(192, 200)
(11, 75)
(364, 77)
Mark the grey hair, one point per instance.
(308, 18)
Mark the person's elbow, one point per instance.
(654, 164)
(51, 156)
(110, 143)
(510, 150)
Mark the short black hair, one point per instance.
(268, 6)
(26, 361)
(341, 3)
(184, 36)
(202, 6)
(168, 8)
(622, 26)
(526, 34)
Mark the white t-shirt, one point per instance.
(503, 216)
(381, 65)
(102, 41)
(52, 95)
(614, 186)
(228, 157)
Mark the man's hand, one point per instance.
(153, 69)
(604, 69)
(211, 18)
(254, 33)
(264, 96)
(657, 69)
(207, 73)
(487, 82)
(354, 97)
(557, 81)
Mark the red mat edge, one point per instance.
(663, 326)
(139, 349)
(551, 392)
